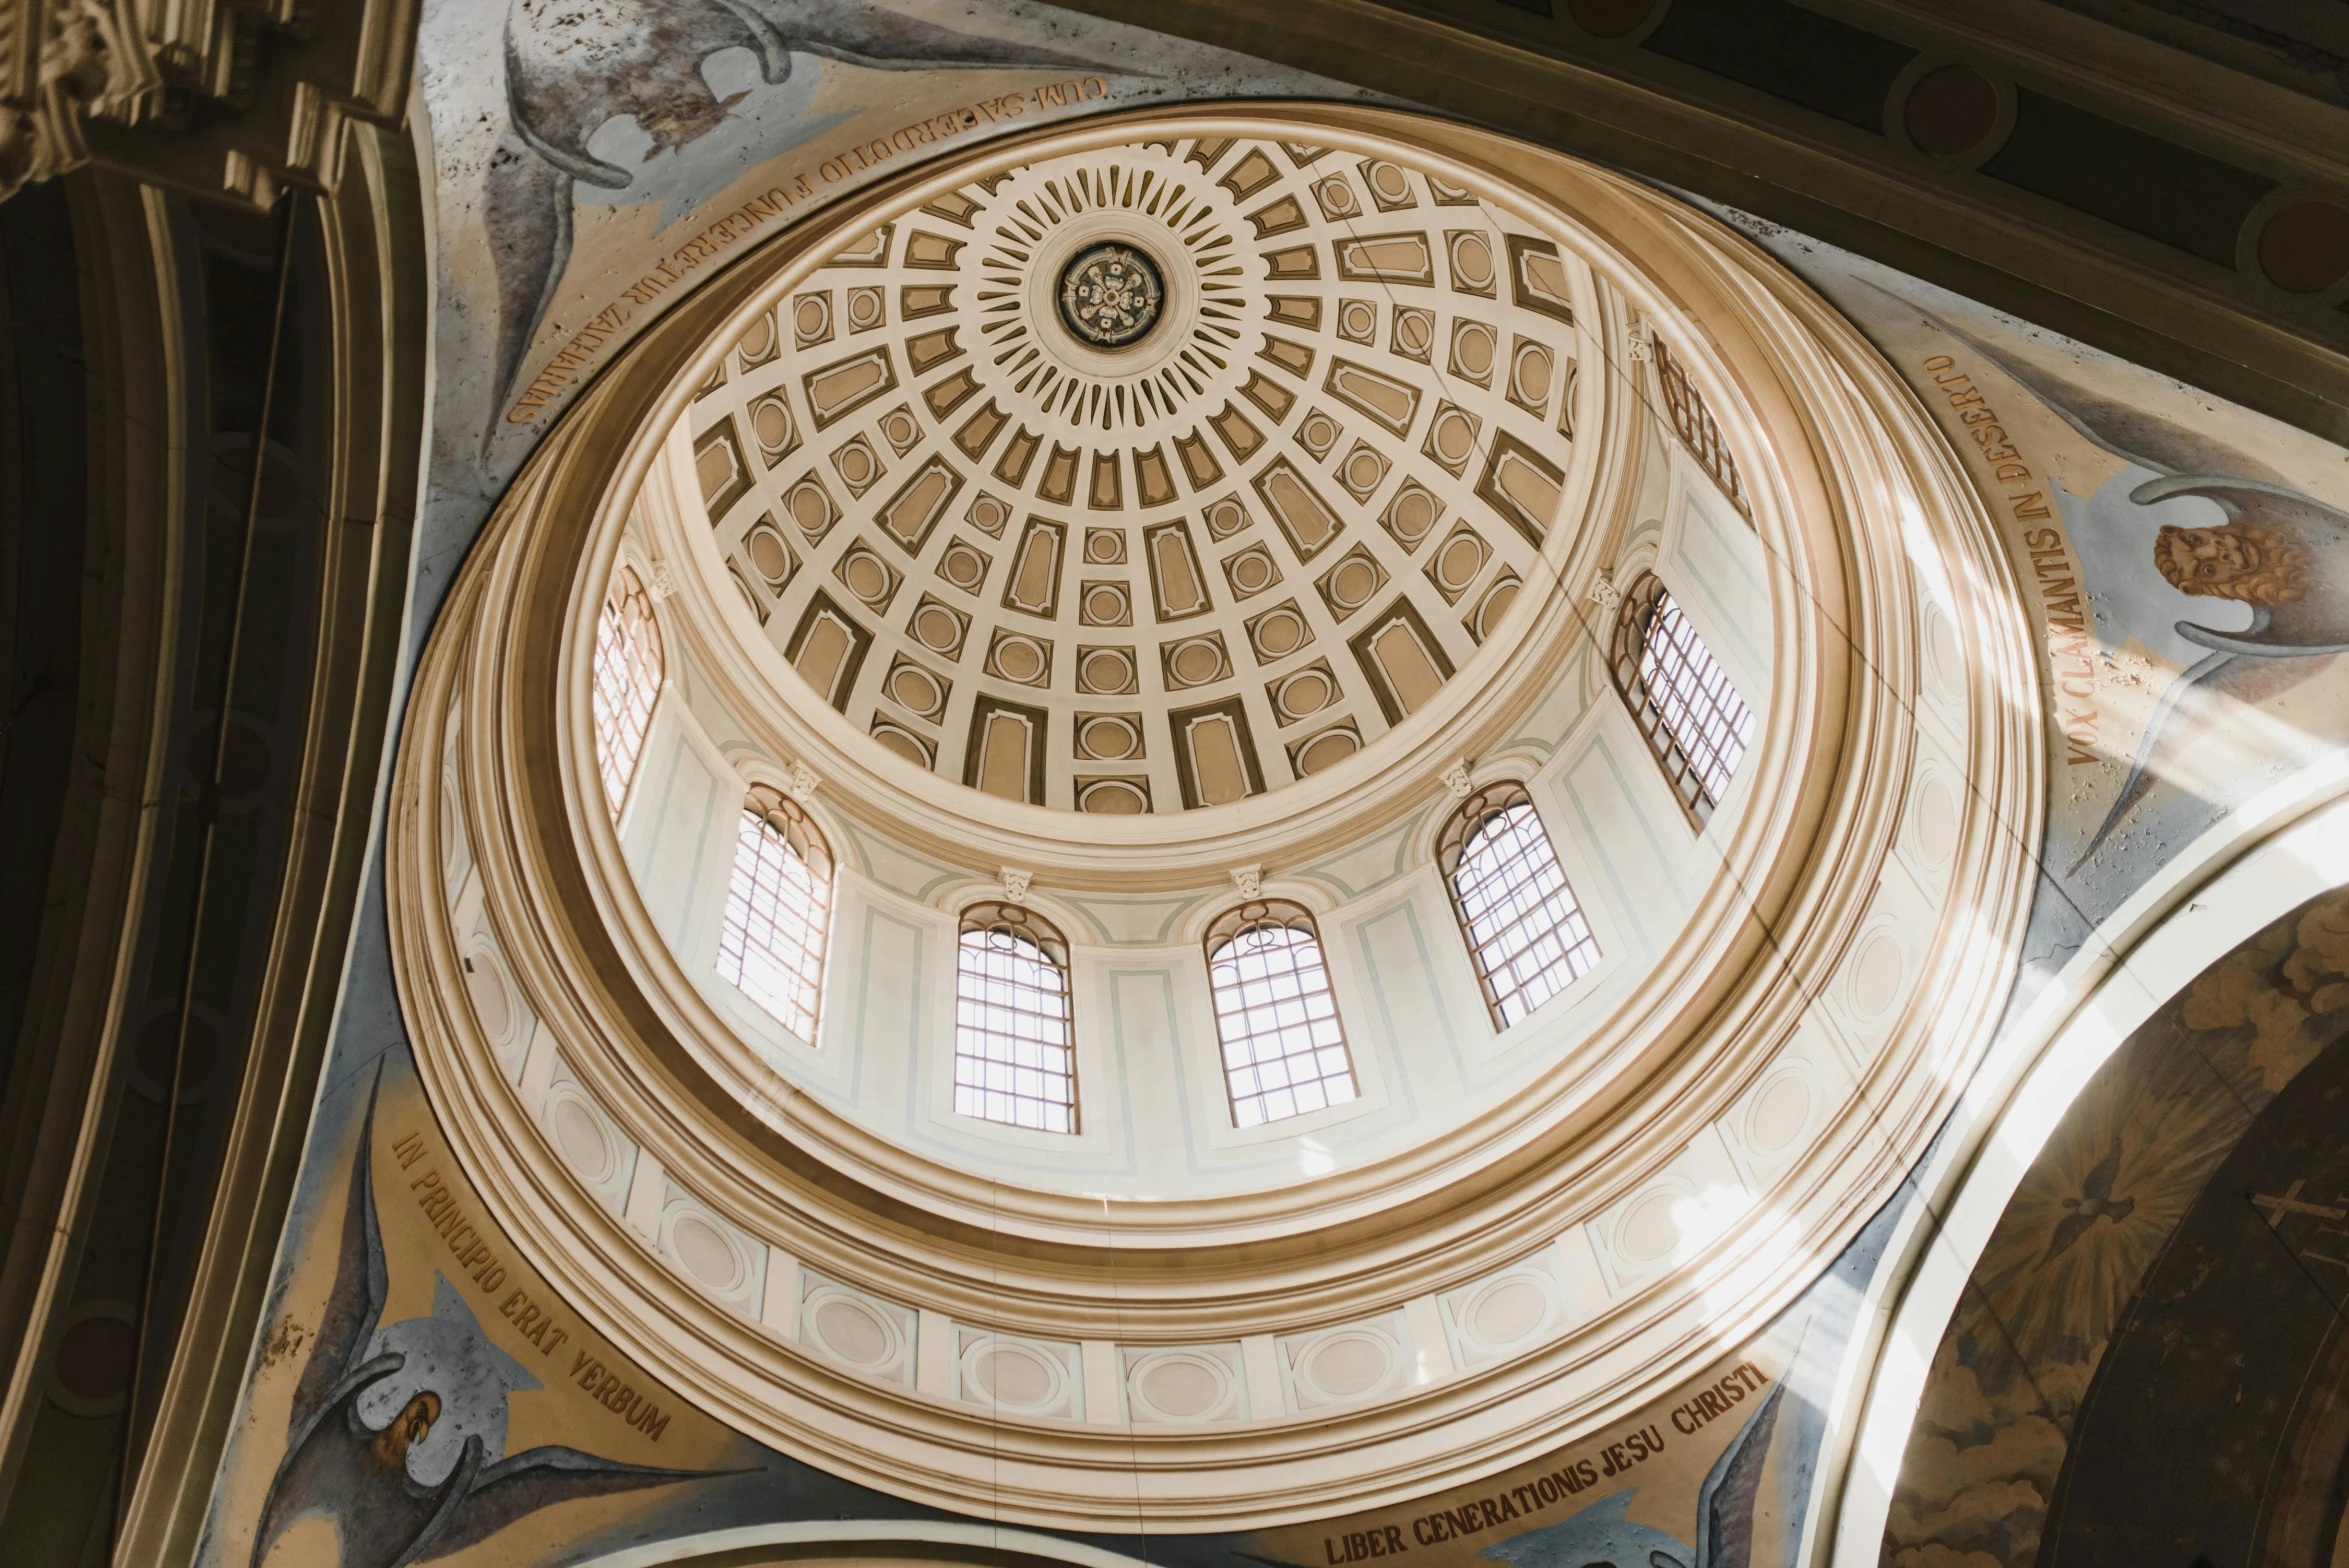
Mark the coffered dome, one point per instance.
(1154, 476)
(1595, 897)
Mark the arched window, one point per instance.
(1014, 1059)
(1686, 406)
(1680, 697)
(1283, 1052)
(1524, 929)
(627, 678)
(778, 911)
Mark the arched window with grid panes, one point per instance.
(1680, 697)
(1698, 429)
(627, 679)
(1525, 932)
(1015, 1057)
(1284, 1052)
(778, 911)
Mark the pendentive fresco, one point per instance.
(594, 162)
(2182, 561)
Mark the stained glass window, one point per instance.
(1695, 422)
(1680, 697)
(627, 679)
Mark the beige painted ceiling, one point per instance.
(1223, 556)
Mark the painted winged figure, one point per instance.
(570, 70)
(393, 1495)
(2280, 552)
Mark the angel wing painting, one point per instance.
(570, 70)
(376, 1483)
(2279, 552)
(1601, 1534)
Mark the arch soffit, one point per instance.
(2267, 858)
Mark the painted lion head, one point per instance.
(2241, 561)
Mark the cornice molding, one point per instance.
(2221, 329)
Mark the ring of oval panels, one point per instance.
(881, 1352)
(1191, 570)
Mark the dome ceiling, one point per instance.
(1151, 477)
(1134, 356)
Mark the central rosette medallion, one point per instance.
(1110, 295)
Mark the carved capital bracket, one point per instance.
(77, 60)
(113, 82)
(1015, 884)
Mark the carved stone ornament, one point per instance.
(1111, 295)
(1249, 880)
(1603, 591)
(92, 62)
(244, 100)
(664, 581)
(1642, 343)
(1739, 1091)
(802, 787)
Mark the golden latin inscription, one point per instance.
(2071, 661)
(533, 1319)
(1473, 1515)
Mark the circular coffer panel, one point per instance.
(1178, 422)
